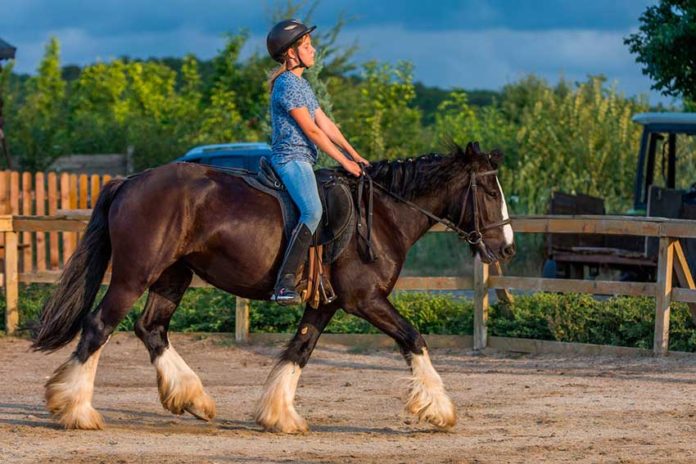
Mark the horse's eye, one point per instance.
(493, 194)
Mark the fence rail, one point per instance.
(671, 260)
(41, 194)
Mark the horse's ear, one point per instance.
(469, 151)
(496, 157)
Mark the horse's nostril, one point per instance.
(509, 250)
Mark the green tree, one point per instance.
(5, 75)
(666, 46)
(236, 101)
(582, 140)
(155, 112)
(245, 85)
(39, 134)
(458, 121)
(379, 118)
(98, 109)
(188, 106)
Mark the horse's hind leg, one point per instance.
(70, 388)
(180, 389)
(275, 411)
(427, 397)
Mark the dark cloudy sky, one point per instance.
(452, 43)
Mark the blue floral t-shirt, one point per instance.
(288, 141)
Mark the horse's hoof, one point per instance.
(293, 424)
(433, 407)
(81, 417)
(206, 414)
(201, 407)
(187, 395)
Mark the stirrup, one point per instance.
(286, 297)
(327, 291)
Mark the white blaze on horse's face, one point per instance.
(507, 228)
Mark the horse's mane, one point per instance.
(416, 176)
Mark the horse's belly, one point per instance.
(240, 263)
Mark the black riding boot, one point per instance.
(285, 292)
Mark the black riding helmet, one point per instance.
(284, 35)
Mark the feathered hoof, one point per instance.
(433, 406)
(289, 422)
(81, 417)
(69, 395)
(203, 408)
(275, 411)
(187, 395)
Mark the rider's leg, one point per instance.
(298, 177)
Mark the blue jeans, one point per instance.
(298, 177)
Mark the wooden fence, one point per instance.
(39, 194)
(671, 260)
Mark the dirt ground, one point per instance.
(512, 408)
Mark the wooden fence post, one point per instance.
(53, 236)
(683, 273)
(11, 283)
(480, 304)
(40, 192)
(26, 264)
(663, 296)
(241, 322)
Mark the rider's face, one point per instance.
(306, 51)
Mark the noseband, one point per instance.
(473, 237)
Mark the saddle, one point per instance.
(334, 230)
(333, 234)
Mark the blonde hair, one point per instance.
(273, 75)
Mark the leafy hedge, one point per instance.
(625, 321)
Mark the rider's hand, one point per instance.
(360, 160)
(352, 167)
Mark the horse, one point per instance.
(163, 225)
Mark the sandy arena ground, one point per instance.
(512, 408)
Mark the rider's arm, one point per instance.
(315, 134)
(336, 136)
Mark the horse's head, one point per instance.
(478, 204)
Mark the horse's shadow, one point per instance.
(26, 415)
(36, 417)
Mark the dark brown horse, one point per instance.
(161, 226)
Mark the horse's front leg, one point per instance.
(275, 411)
(427, 396)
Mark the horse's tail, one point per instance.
(63, 312)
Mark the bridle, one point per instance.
(473, 237)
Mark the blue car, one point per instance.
(229, 155)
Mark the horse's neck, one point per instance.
(412, 223)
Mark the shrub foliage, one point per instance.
(621, 321)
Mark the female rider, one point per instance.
(298, 127)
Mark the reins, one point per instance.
(473, 237)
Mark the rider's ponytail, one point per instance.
(273, 75)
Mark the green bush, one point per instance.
(623, 321)
(581, 318)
